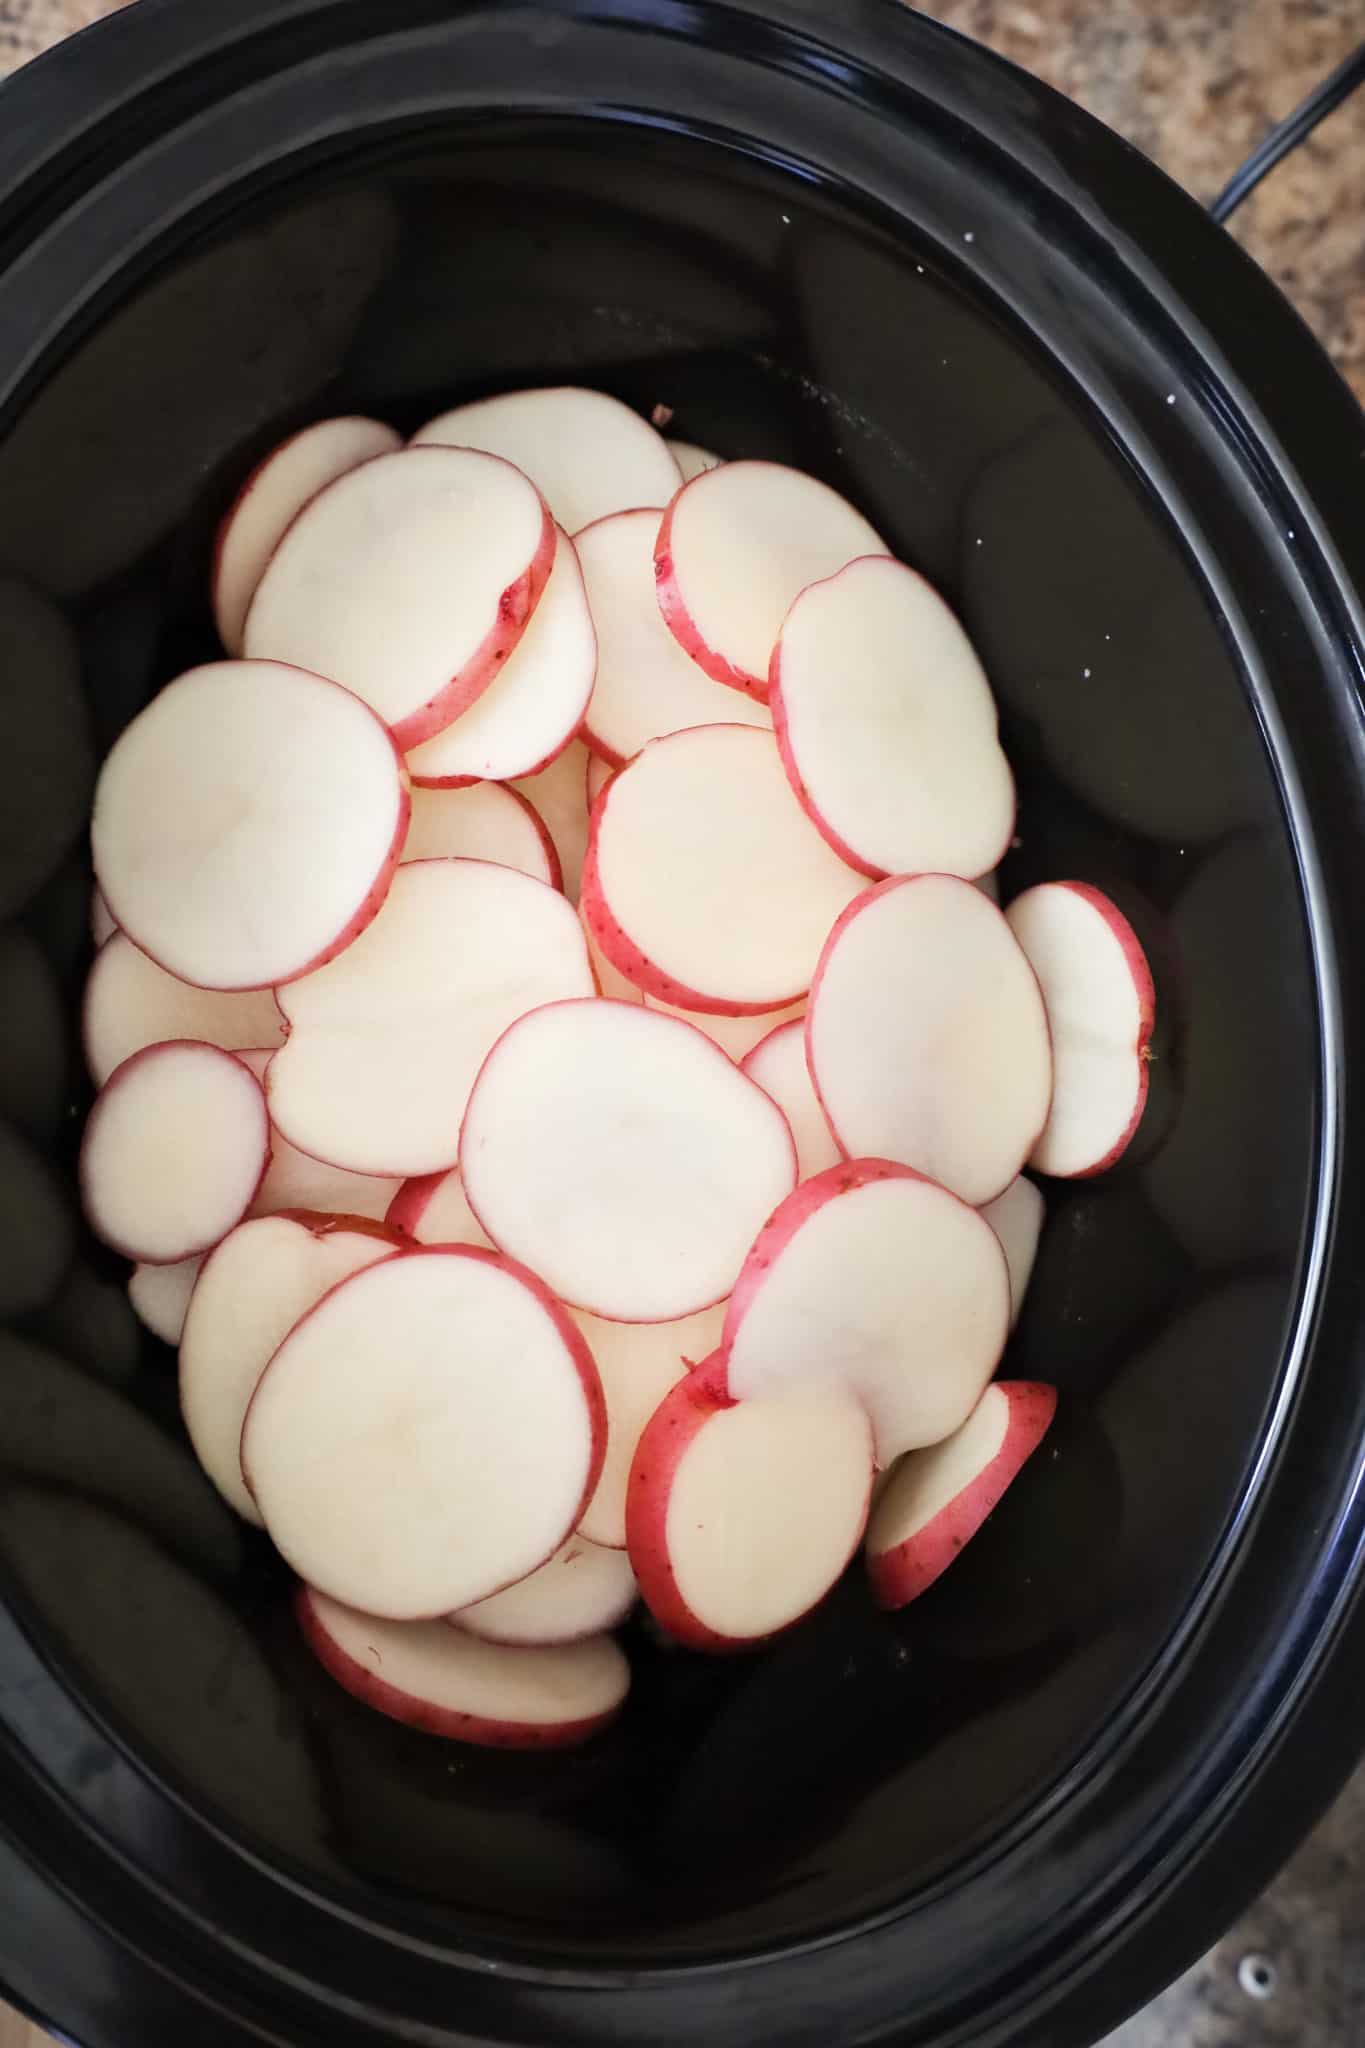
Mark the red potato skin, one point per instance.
(409, 1205)
(253, 478)
(679, 620)
(406, 1707)
(574, 1341)
(1141, 972)
(900, 1574)
(521, 1269)
(371, 904)
(515, 608)
(844, 918)
(133, 1060)
(627, 957)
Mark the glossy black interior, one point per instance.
(744, 1804)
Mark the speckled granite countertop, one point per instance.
(1194, 83)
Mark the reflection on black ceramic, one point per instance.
(1218, 1179)
(33, 1045)
(66, 1429)
(1181, 1415)
(37, 1225)
(91, 1321)
(118, 1605)
(44, 739)
(778, 314)
(1099, 646)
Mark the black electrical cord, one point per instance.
(1289, 133)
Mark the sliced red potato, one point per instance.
(295, 1180)
(271, 499)
(485, 821)
(741, 1516)
(385, 1042)
(247, 824)
(578, 1592)
(360, 589)
(588, 453)
(637, 1363)
(1101, 1003)
(778, 1064)
(174, 1150)
(379, 1442)
(557, 792)
(130, 1003)
(691, 459)
(887, 727)
(705, 882)
(646, 684)
(253, 1288)
(937, 1498)
(927, 1038)
(598, 775)
(160, 1296)
(736, 1036)
(532, 710)
(623, 1158)
(737, 546)
(434, 1209)
(878, 1282)
(446, 1682)
(1016, 1217)
(102, 925)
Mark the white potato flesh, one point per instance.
(130, 1003)
(878, 1281)
(1097, 990)
(378, 1444)
(646, 684)
(253, 1288)
(623, 1158)
(927, 1037)
(160, 1296)
(887, 725)
(558, 793)
(1016, 1217)
(531, 710)
(637, 1363)
(778, 1064)
(385, 1042)
(578, 1592)
(483, 822)
(449, 1683)
(174, 1150)
(271, 499)
(737, 547)
(588, 453)
(247, 822)
(706, 883)
(360, 588)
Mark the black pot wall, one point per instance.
(1074, 405)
